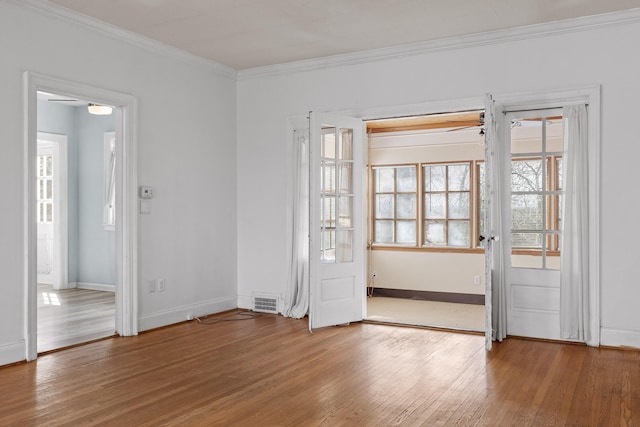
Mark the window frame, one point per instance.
(419, 220)
(447, 192)
(108, 176)
(553, 209)
(373, 195)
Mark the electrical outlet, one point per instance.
(152, 285)
(161, 285)
(476, 280)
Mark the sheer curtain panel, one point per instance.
(575, 294)
(296, 298)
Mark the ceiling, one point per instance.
(251, 33)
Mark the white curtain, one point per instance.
(296, 298)
(575, 295)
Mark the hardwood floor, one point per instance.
(72, 316)
(269, 371)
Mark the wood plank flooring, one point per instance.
(269, 371)
(72, 316)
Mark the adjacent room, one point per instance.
(425, 260)
(75, 211)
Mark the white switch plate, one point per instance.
(145, 207)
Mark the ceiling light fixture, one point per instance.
(100, 110)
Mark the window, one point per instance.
(440, 195)
(527, 207)
(44, 204)
(109, 177)
(447, 205)
(395, 205)
(535, 203)
(336, 193)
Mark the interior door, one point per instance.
(337, 220)
(534, 198)
(45, 213)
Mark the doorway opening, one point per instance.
(426, 264)
(120, 166)
(76, 242)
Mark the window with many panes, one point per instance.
(44, 209)
(447, 204)
(529, 186)
(535, 203)
(395, 204)
(442, 197)
(336, 193)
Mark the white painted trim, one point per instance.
(182, 313)
(71, 17)
(520, 100)
(620, 337)
(107, 153)
(60, 206)
(461, 42)
(245, 302)
(95, 286)
(12, 352)
(126, 203)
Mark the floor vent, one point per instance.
(265, 304)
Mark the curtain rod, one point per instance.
(524, 109)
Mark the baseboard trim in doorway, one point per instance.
(95, 286)
(477, 299)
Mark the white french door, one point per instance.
(337, 220)
(532, 229)
(45, 213)
(51, 210)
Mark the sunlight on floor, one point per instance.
(50, 298)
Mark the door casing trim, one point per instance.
(126, 199)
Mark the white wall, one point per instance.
(186, 151)
(595, 56)
(96, 246)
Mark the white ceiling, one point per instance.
(251, 33)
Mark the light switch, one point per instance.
(145, 207)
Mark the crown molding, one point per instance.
(68, 16)
(451, 43)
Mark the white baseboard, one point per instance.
(245, 302)
(182, 313)
(95, 286)
(620, 337)
(12, 352)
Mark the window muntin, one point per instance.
(109, 177)
(336, 193)
(44, 180)
(395, 205)
(536, 170)
(447, 204)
